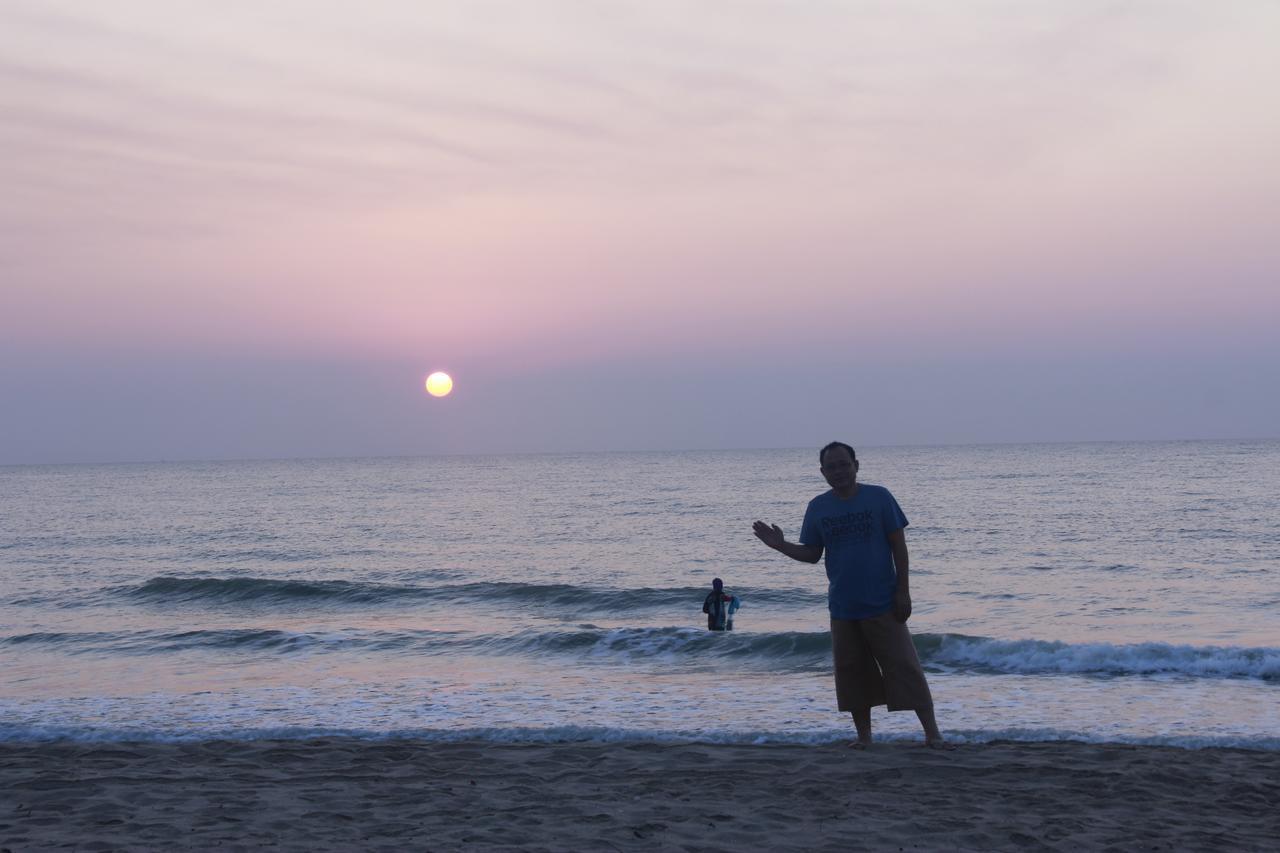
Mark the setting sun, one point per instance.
(439, 384)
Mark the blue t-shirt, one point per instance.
(855, 535)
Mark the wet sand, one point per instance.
(343, 794)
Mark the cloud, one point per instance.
(725, 188)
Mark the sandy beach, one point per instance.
(332, 794)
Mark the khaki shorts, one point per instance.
(876, 664)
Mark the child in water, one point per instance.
(719, 607)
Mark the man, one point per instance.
(861, 529)
(720, 607)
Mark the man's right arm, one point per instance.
(771, 535)
(804, 553)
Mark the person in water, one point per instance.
(861, 530)
(720, 607)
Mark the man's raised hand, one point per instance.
(769, 534)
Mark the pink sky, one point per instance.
(703, 192)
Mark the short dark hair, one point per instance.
(832, 446)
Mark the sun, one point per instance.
(439, 384)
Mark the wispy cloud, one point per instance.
(634, 160)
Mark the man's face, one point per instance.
(839, 469)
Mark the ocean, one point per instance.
(1102, 592)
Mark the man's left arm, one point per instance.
(901, 564)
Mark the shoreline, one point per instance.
(333, 793)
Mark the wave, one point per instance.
(684, 647)
(216, 591)
(188, 590)
(785, 650)
(1043, 657)
(25, 732)
(799, 650)
(675, 646)
(230, 640)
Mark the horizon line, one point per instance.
(620, 451)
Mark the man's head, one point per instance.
(717, 584)
(839, 465)
(822, 454)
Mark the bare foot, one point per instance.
(859, 744)
(939, 743)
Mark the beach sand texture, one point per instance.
(349, 794)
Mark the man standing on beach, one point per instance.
(861, 529)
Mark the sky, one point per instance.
(251, 229)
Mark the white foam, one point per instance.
(605, 735)
(1041, 657)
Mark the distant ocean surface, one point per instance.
(1101, 592)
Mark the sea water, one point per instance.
(1101, 592)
